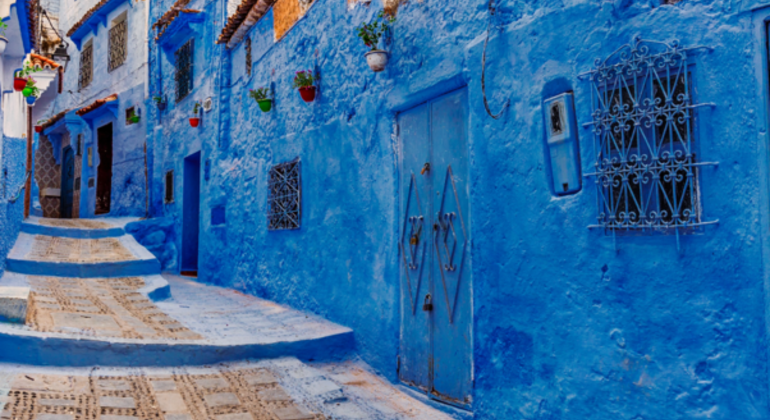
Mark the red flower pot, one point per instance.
(307, 93)
(19, 83)
(38, 129)
(194, 122)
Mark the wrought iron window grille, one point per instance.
(86, 66)
(284, 199)
(248, 56)
(183, 58)
(646, 166)
(118, 44)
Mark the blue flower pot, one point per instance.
(31, 100)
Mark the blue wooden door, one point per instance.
(67, 183)
(434, 245)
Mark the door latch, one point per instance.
(428, 304)
(425, 168)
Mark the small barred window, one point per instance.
(284, 200)
(645, 145)
(184, 69)
(86, 65)
(169, 195)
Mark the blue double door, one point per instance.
(436, 351)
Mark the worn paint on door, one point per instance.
(436, 299)
(67, 183)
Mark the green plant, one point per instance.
(33, 90)
(304, 78)
(3, 27)
(371, 32)
(41, 122)
(158, 99)
(196, 108)
(133, 117)
(27, 70)
(259, 94)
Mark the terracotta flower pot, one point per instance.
(38, 129)
(194, 122)
(265, 104)
(307, 93)
(377, 60)
(19, 84)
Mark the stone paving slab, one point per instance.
(219, 392)
(73, 322)
(73, 257)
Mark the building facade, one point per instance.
(551, 210)
(91, 156)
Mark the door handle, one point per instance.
(428, 303)
(425, 168)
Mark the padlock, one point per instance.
(428, 304)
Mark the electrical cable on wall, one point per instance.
(484, 65)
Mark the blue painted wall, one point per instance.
(566, 325)
(11, 213)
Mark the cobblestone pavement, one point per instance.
(69, 250)
(74, 223)
(100, 307)
(278, 389)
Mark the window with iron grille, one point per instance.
(86, 65)
(248, 56)
(118, 43)
(284, 200)
(645, 140)
(169, 196)
(184, 70)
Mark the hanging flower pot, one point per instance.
(3, 44)
(194, 121)
(261, 96)
(160, 102)
(161, 106)
(19, 83)
(38, 129)
(371, 33)
(265, 105)
(303, 81)
(27, 92)
(31, 100)
(377, 60)
(307, 93)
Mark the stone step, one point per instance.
(120, 322)
(282, 388)
(77, 228)
(70, 257)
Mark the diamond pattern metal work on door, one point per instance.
(411, 245)
(451, 242)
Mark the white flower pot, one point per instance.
(3, 44)
(377, 60)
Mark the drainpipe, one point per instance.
(28, 183)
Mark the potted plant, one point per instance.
(133, 117)
(30, 90)
(20, 77)
(160, 102)
(261, 96)
(371, 33)
(303, 81)
(3, 39)
(194, 121)
(39, 126)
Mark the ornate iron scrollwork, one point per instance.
(411, 245)
(118, 44)
(184, 69)
(86, 66)
(646, 165)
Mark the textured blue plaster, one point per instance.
(566, 326)
(12, 214)
(158, 236)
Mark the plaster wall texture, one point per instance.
(128, 81)
(11, 213)
(566, 325)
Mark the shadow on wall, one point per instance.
(158, 236)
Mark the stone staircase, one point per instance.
(106, 336)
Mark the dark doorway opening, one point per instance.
(104, 170)
(191, 214)
(67, 183)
